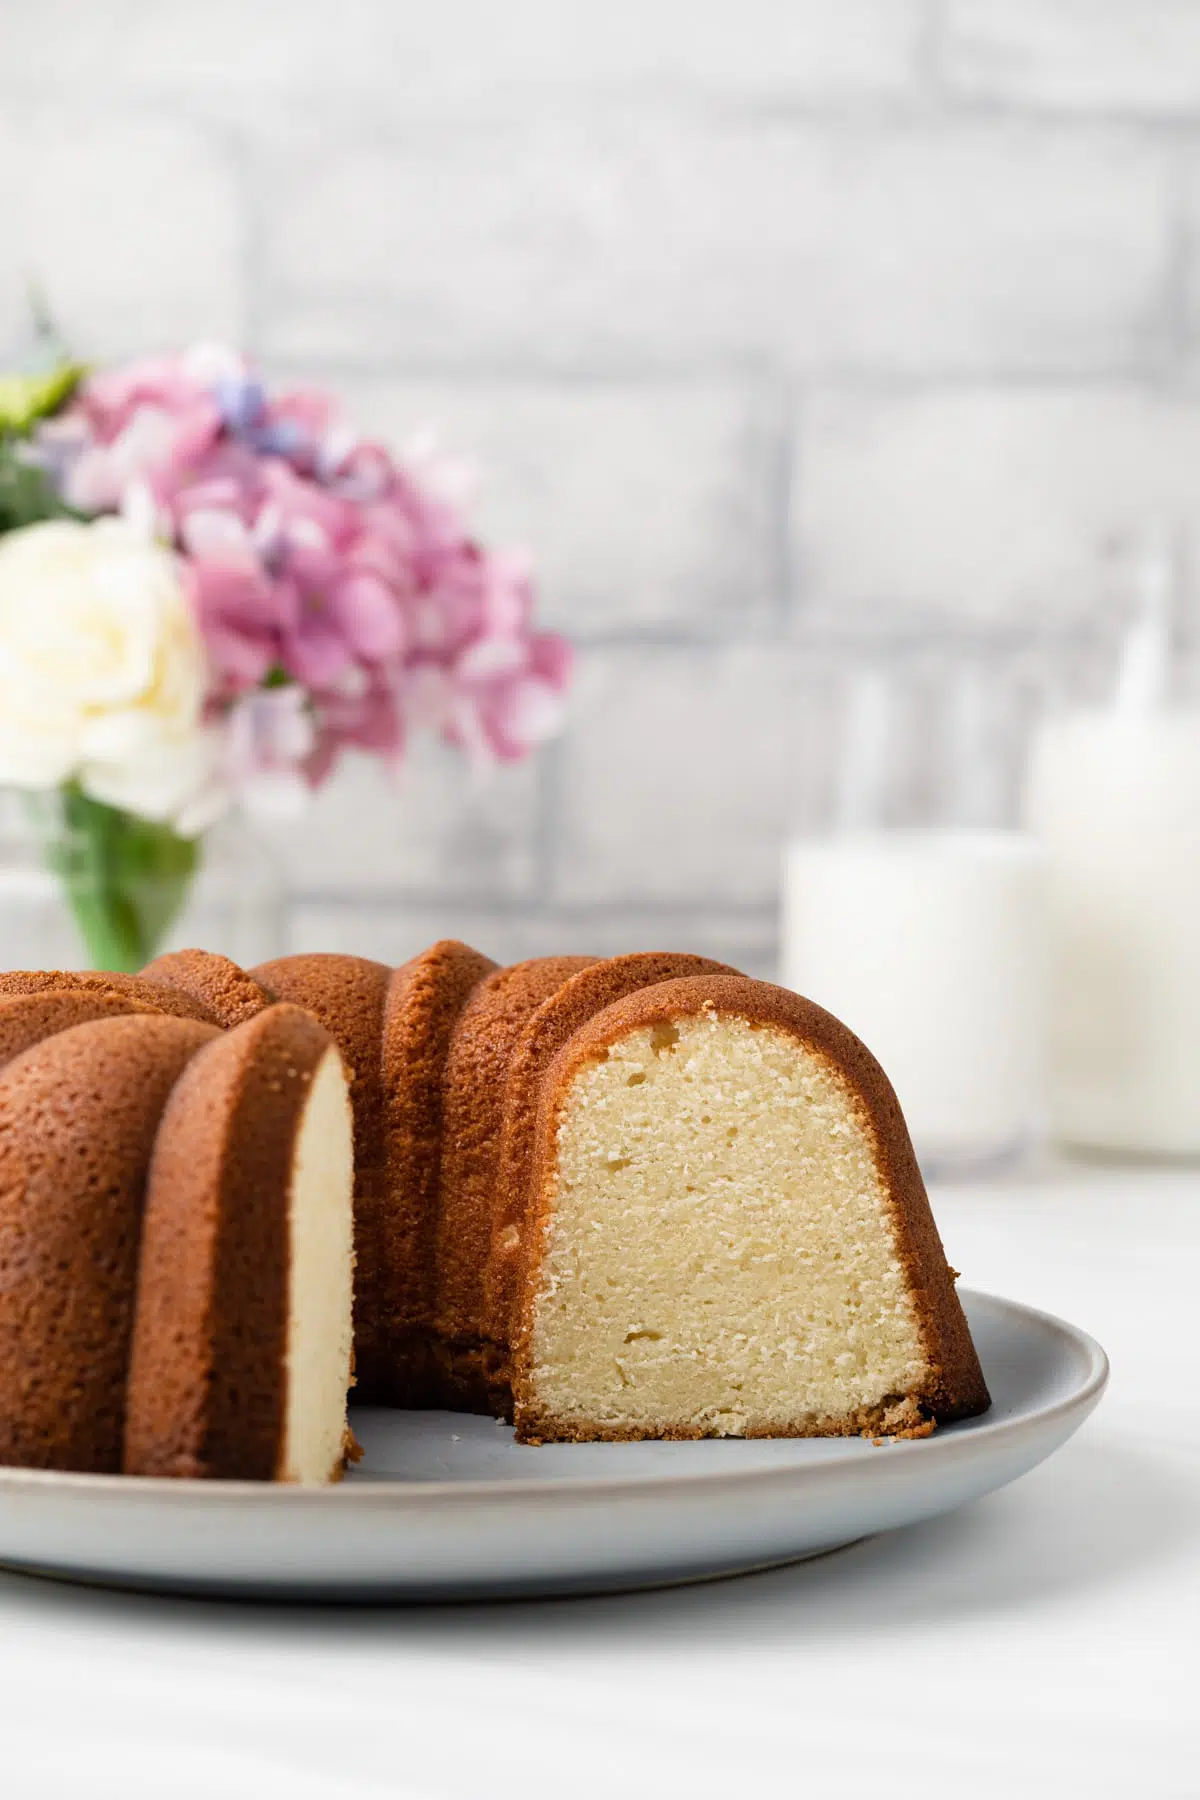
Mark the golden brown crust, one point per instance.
(28, 1019)
(150, 996)
(78, 1117)
(476, 1069)
(207, 1377)
(555, 1021)
(459, 1071)
(424, 1001)
(228, 992)
(897, 1417)
(955, 1388)
(347, 994)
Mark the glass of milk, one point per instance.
(1114, 798)
(913, 908)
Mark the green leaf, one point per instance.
(26, 398)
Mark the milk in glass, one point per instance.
(930, 946)
(1114, 798)
(1115, 801)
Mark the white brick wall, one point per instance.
(651, 506)
(983, 502)
(434, 834)
(607, 240)
(469, 50)
(764, 322)
(133, 222)
(684, 771)
(1120, 55)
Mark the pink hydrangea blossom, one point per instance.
(342, 600)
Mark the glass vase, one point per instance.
(77, 892)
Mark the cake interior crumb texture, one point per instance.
(720, 1250)
(321, 1265)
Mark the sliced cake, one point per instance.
(78, 1117)
(150, 996)
(28, 1019)
(228, 993)
(348, 994)
(544, 1034)
(729, 1233)
(485, 1036)
(642, 1197)
(242, 1339)
(424, 1002)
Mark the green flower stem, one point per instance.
(125, 879)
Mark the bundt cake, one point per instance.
(150, 996)
(175, 1236)
(458, 1239)
(544, 1034)
(481, 1047)
(25, 1019)
(729, 1234)
(348, 994)
(241, 1341)
(641, 1197)
(425, 999)
(78, 1116)
(227, 992)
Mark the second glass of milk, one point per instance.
(915, 911)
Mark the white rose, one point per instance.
(102, 670)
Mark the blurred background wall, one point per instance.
(765, 322)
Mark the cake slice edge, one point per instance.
(836, 1082)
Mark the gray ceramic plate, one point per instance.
(446, 1507)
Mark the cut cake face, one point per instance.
(579, 998)
(320, 1333)
(731, 1237)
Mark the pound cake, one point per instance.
(150, 996)
(348, 994)
(483, 1042)
(241, 1342)
(175, 1235)
(581, 996)
(425, 1001)
(26, 1019)
(729, 1233)
(625, 1198)
(228, 993)
(78, 1117)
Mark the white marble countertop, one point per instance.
(1045, 1641)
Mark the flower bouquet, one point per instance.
(208, 592)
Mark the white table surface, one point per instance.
(1045, 1641)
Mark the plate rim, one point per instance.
(405, 1494)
